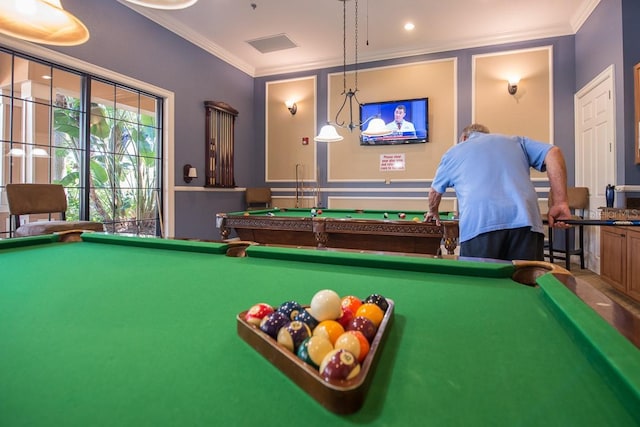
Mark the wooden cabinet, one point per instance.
(633, 266)
(617, 267)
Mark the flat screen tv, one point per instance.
(408, 120)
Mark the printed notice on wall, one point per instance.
(391, 162)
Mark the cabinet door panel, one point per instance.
(633, 266)
(613, 255)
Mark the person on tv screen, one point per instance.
(400, 126)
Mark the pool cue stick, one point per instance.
(225, 153)
(302, 183)
(605, 222)
(317, 186)
(155, 194)
(229, 139)
(297, 189)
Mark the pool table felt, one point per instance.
(86, 340)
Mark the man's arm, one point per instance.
(557, 174)
(434, 204)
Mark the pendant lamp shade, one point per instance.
(376, 127)
(41, 21)
(164, 4)
(328, 133)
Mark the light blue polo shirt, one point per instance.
(490, 174)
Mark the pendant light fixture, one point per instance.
(41, 21)
(328, 133)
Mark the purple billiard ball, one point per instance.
(339, 364)
(364, 325)
(272, 323)
(292, 334)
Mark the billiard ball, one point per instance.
(378, 300)
(371, 312)
(290, 308)
(350, 302)
(402, 215)
(257, 312)
(347, 316)
(246, 214)
(416, 219)
(355, 343)
(306, 317)
(272, 323)
(326, 305)
(319, 211)
(291, 335)
(330, 329)
(385, 215)
(339, 365)
(363, 325)
(314, 349)
(270, 214)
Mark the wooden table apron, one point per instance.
(353, 229)
(125, 331)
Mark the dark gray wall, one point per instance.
(631, 56)
(611, 35)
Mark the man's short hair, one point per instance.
(475, 127)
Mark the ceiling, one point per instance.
(224, 27)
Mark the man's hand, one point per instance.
(557, 213)
(432, 216)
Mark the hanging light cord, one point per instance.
(349, 95)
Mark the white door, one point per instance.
(595, 152)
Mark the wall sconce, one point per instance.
(512, 85)
(291, 105)
(189, 173)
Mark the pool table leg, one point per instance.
(451, 232)
(321, 236)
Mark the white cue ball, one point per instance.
(326, 305)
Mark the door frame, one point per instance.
(592, 234)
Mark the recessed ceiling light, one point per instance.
(409, 26)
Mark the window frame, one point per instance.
(39, 53)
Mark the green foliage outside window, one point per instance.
(124, 162)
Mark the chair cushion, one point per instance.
(49, 227)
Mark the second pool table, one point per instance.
(343, 228)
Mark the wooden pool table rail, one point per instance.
(348, 233)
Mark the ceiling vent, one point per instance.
(272, 43)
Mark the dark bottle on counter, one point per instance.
(610, 195)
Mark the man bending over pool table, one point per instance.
(498, 204)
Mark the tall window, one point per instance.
(100, 139)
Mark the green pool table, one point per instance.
(343, 228)
(140, 331)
